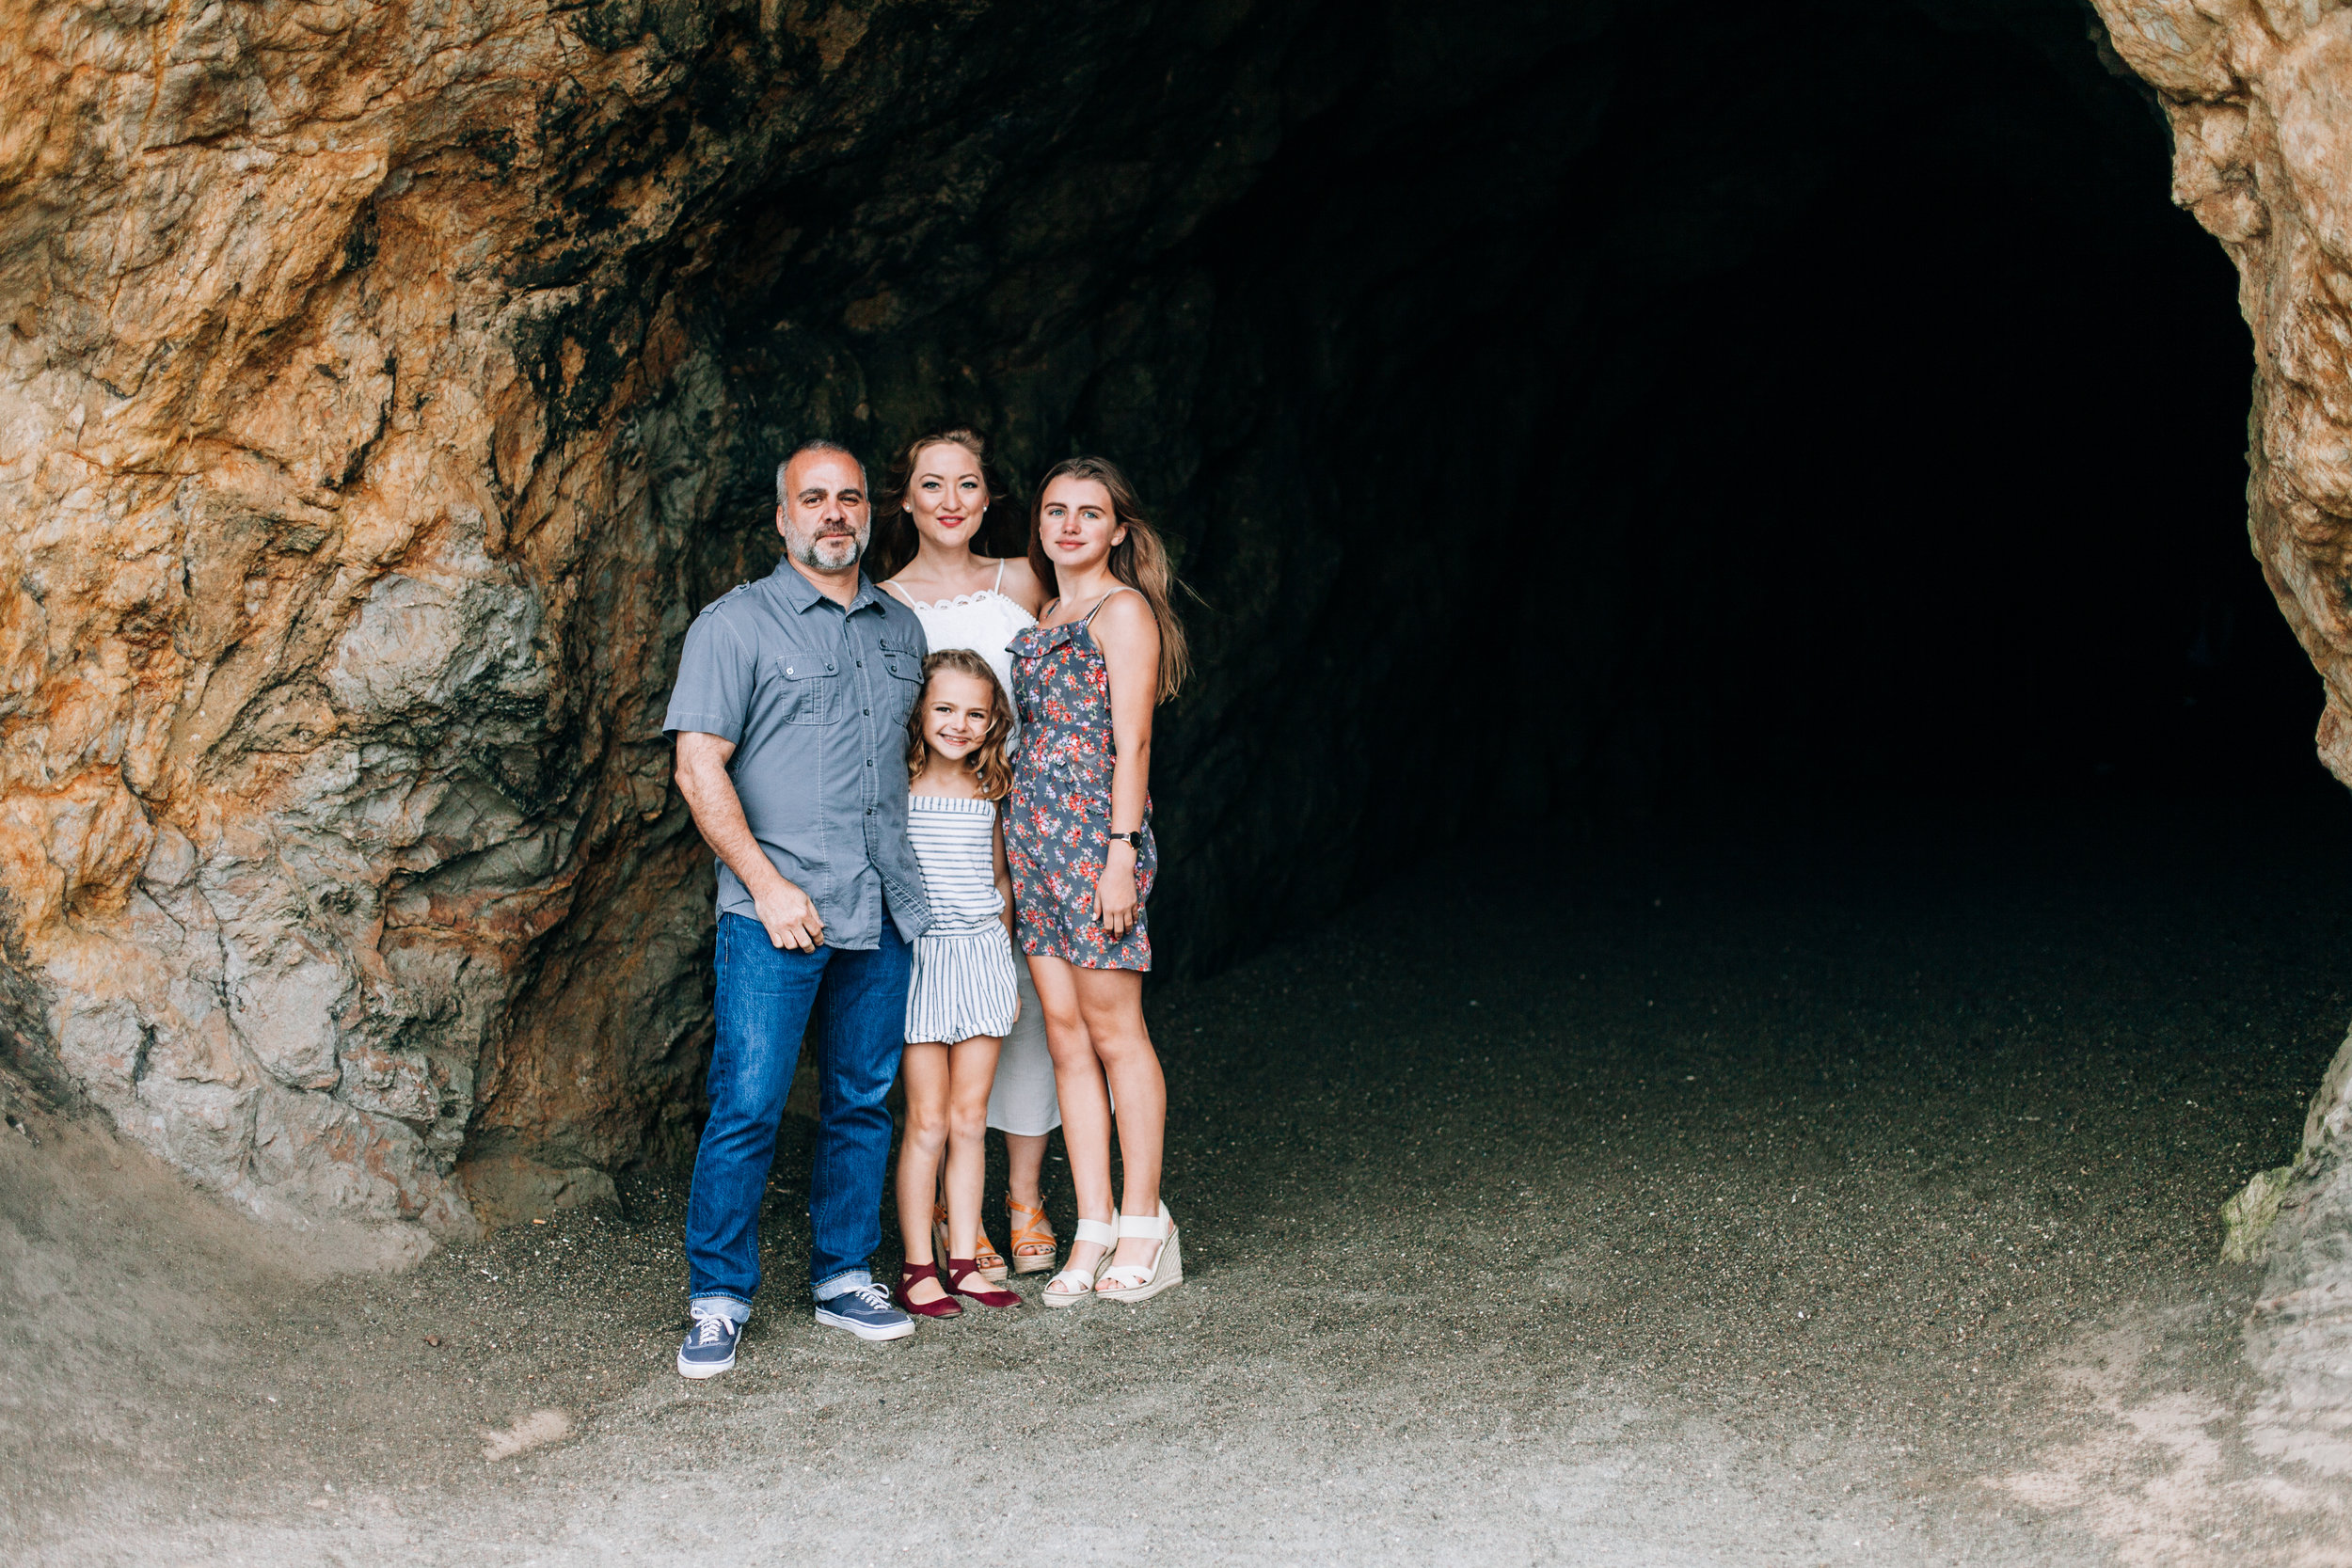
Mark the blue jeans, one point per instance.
(765, 996)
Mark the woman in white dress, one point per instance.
(969, 600)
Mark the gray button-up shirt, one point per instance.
(815, 698)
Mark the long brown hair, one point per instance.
(987, 760)
(1140, 560)
(894, 540)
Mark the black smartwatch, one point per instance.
(1134, 840)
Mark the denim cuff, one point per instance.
(733, 1308)
(841, 1284)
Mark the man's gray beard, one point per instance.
(803, 547)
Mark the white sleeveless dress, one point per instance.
(1021, 1100)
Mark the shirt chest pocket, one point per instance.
(906, 683)
(811, 686)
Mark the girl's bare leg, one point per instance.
(1086, 1106)
(925, 1072)
(1025, 1168)
(971, 1067)
(1110, 1008)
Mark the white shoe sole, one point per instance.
(1055, 1298)
(865, 1331)
(704, 1369)
(1167, 1269)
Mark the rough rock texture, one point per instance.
(2298, 1218)
(291, 791)
(2260, 97)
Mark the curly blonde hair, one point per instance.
(987, 760)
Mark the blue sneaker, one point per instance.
(865, 1312)
(710, 1347)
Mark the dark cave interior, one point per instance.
(1576, 422)
(1570, 413)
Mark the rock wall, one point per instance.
(2257, 95)
(291, 788)
(2260, 98)
(2296, 1221)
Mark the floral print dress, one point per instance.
(1057, 829)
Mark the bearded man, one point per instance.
(791, 714)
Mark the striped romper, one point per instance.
(964, 982)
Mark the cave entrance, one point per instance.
(1842, 411)
(1937, 476)
(1745, 839)
(1576, 419)
(1580, 418)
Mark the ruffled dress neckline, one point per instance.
(961, 601)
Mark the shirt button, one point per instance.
(861, 664)
(869, 811)
(868, 711)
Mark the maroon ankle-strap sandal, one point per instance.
(911, 1274)
(964, 1279)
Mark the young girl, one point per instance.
(929, 550)
(1105, 653)
(962, 996)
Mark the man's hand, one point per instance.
(709, 790)
(791, 918)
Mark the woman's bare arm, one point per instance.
(1129, 637)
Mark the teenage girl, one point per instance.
(1106, 651)
(969, 600)
(961, 995)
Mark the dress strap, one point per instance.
(902, 593)
(998, 586)
(1123, 588)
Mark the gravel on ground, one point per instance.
(1839, 1193)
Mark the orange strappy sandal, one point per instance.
(990, 1261)
(1034, 1243)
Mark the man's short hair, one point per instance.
(803, 450)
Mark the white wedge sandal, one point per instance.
(1135, 1282)
(1081, 1281)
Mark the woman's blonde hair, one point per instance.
(987, 760)
(894, 541)
(1140, 560)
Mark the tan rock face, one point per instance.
(2260, 96)
(291, 790)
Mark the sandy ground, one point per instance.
(1815, 1198)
